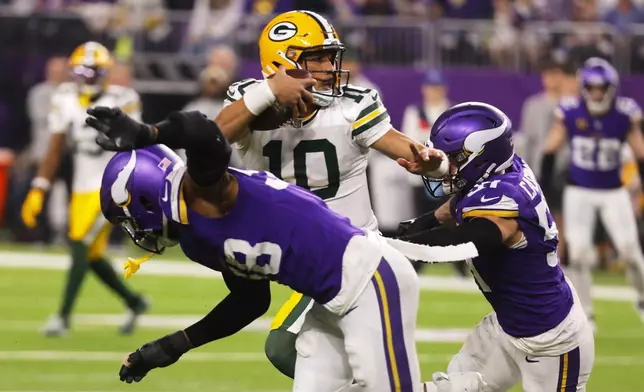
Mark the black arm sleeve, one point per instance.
(484, 233)
(207, 149)
(547, 170)
(247, 301)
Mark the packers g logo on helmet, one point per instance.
(291, 37)
(282, 31)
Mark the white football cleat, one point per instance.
(56, 326)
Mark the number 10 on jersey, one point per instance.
(273, 151)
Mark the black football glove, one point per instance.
(118, 131)
(412, 226)
(157, 354)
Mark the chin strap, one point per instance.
(131, 266)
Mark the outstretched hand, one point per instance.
(425, 160)
(118, 131)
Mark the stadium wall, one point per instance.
(401, 87)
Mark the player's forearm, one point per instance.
(234, 121)
(50, 163)
(445, 213)
(395, 145)
(230, 316)
(483, 233)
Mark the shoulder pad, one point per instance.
(119, 91)
(569, 103)
(491, 198)
(356, 95)
(628, 107)
(66, 88)
(237, 90)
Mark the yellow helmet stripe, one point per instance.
(324, 24)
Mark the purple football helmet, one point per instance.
(477, 139)
(598, 82)
(130, 192)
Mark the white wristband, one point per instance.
(259, 97)
(442, 169)
(41, 183)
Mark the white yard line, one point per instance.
(187, 269)
(109, 356)
(262, 325)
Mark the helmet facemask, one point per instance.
(595, 105)
(330, 83)
(91, 80)
(150, 240)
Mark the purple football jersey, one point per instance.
(274, 231)
(524, 284)
(596, 142)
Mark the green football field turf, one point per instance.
(89, 358)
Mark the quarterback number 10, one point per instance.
(273, 151)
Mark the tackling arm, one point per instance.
(487, 233)
(247, 301)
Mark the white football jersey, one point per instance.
(68, 115)
(327, 154)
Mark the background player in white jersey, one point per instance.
(88, 230)
(325, 145)
(538, 333)
(597, 125)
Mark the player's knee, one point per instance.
(630, 250)
(280, 351)
(462, 363)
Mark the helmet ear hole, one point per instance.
(146, 203)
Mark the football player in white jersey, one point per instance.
(324, 147)
(88, 230)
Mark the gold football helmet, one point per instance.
(90, 64)
(292, 37)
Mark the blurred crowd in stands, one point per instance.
(505, 33)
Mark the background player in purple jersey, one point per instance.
(538, 333)
(253, 227)
(597, 125)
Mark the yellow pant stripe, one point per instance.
(285, 310)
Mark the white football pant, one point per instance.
(580, 207)
(490, 351)
(373, 343)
